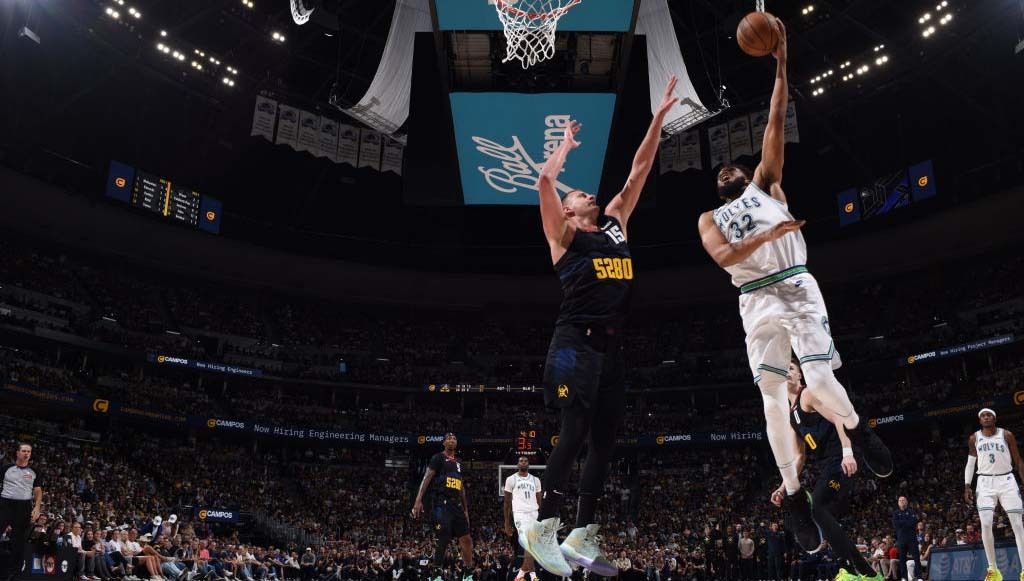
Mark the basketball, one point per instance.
(757, 34)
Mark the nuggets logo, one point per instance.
(211, 423)
(834, 485)
(421, 440)
(563, 391)
(849, 207)
(554, 441)
(1018, 398)
(120, 182)
(161, 358)
(211, 215)
(872, 423)
(203, 513)
(101, 406)
(660, 440)
(922, 181)
(811, 443)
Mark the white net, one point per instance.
(530, 28)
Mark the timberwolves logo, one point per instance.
(824, 323)
(563, 391)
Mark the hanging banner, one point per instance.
(718, 141)
(739, 137)
(792, 133)
(288, 126)
(309, 132)
(668, 155)
(392, 159)
(369, 149)
(758, 121)
(263, 117)
(689, 151)
(328, 139)
(348, 144)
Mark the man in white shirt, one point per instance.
(522, 505)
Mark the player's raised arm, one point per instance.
(552, 215)
(622, 205)
(768, 174)
(972, 461)
(726, 254)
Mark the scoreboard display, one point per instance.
(157, 195)
(526, 442)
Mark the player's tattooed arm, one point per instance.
(768, 174)
(726, 254)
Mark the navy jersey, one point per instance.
(448, 480)
(818, 434)
(597, 276)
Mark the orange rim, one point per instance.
(505, 7)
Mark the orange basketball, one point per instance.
(757, 34)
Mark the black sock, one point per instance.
(841, 544)
(585, 510)
(551, 504)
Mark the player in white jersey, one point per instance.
(994, 452)
(522, 506)
(755, 239)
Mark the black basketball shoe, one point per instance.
(797, 508)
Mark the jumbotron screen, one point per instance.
(152, 193)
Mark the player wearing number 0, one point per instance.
(755, 239)
(994, 451)
(583, 375)
(522, 505)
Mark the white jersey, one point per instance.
(524, 491)
(993, 454)
(753, 212)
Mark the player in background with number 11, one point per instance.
(583, 374)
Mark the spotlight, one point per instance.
(160, 46)
(181, 57)
(137, 14)
(945, 19)
(163, 33)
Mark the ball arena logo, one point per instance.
(101, 406)
(1018, 398)
(517, 169)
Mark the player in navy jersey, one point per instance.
(819, 431)
(451, 510)
(583, 376)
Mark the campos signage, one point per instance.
(503, 140)
(161, 359)
(217, 515)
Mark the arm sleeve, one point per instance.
(972, 461)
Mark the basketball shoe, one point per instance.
(582, 548)
(797, 508)
(540, 539)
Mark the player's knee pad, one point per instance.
(987, 517)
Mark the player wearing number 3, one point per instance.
(755, 239)
(583, 375)
(994, 451)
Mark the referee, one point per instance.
(20, 502)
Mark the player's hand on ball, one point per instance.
(668, 99)
(782, 228)
(417, 510)
(780, 51)
(849, 465)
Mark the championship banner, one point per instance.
(503, 140)
(309, 132)
(718, 141)
(689, 151)
(392, 159)
(758, 121)
(792, 133)
(739, 137)
(668, 155)
(348, 144)
(328, 139)
(161, 359)
(263, 117)
(288, 126)
(208, 514)
(369, 149)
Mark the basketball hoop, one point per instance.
(530, 28)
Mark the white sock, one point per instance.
(910, 571)
(1018, 532)
(987, 538)
(780, 434)
(822, 382)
